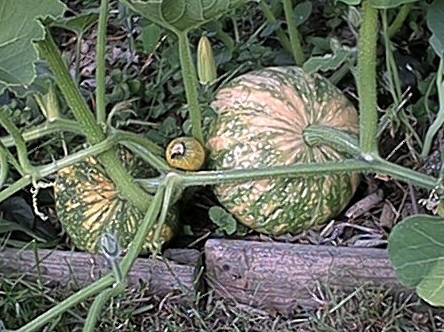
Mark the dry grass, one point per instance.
(366, 309)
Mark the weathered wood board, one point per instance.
(268, 275)
(77, 269)
(281, 277)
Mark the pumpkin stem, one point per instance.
(316, 135)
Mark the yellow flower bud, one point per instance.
(206, 65)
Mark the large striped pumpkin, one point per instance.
(261, 119)
(88, 204)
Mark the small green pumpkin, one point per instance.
(88, 204)
(261, 118)
(185, 153)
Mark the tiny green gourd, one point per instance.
(260, 123)
(185, 153)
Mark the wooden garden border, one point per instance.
(178, 275)
(268, 275)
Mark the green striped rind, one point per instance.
(261, 119)
(88, 205)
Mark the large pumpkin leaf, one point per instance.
(17, 210)
(79, 23)
(383, 4)
(386, 4)
(416, 250)
(182, 15)
(18, 216)
(7, 226)
(437, 45)
(435, 13)
(20, 26)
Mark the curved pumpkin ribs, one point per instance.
(88, 204)
(261, 118)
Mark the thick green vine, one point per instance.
(94, 134)
(191, 84)
(367, 80)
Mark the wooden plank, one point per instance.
(77, 269)
(280, 276)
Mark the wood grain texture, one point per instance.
(77, 269)
(281, 277)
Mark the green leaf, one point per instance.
(351, 2)
(41, 83)
(416, 250)
(182, 15)
(9, 226)
(80, 23)
(187, 230)
(435, 13)
(354, 17)
(330, 61)
(325, 62)
(386, 4)
(223, 219)
(19, 27)
(431, 289)
(270, 29)
(437, 45)
(150, 37)
(302, 12)
(16, 209)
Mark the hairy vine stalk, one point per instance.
(295, 41)
(44, 129)
(20, 144)
(280, 33)
(93, 132)
(46, 170)
(100, 61)
(367, 80)
(190, 84)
